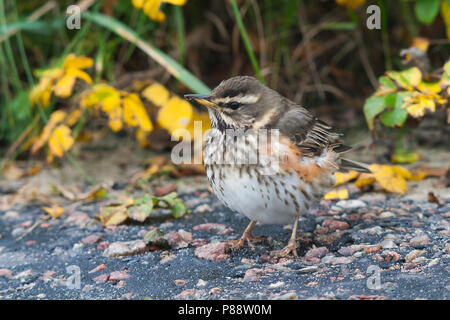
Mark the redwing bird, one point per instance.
(267, 157)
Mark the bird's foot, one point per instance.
(239, 243)
(287, 252)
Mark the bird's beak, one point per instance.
(201, 99)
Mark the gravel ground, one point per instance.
(373, 246)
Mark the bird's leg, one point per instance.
(291, 247)
(246, 236)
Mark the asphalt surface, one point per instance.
(374, 246)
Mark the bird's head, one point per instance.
(240, 102)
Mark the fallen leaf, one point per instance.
(341, 194)
(342, 177)
(54, 211)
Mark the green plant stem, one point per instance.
(179, 20)
(78, 167)
(246, 40)
(384, 34)
(9, 53)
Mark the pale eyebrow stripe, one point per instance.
(240, 98)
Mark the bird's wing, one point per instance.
(312, 136)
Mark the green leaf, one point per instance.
(339, 26)
(397, 115)
(426, 10)
(386, 82)
(160, 57)
(375, 105)
(175, 204)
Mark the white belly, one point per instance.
(269, 200)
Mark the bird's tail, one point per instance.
(347, 164)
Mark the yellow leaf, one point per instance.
(341, 194)
(81, 62)
(364, 179)
(350, 4)
(388, 178)
(429, 87)
(138, 3)
(60, 140)
(407, 79)
(63, 88)
(73, 72)
(403, 172)
(134, 113)
(113, 215)
(176, 2)
(151, 8)
(54, 211)
(176, 114)
(41, 93)
(342, 177)
(157, 94)
(115, 119)
(73, 117)
(55, 118)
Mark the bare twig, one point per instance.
(309, 57)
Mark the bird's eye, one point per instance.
(234, 105)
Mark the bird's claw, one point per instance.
(288, 251)
(239, 243)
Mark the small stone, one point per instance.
(386, 214)
(47, 275)
(372, 249)
(41, 296)
(212, 251)
(334, 224)
(419, 240)
(98, 268)
(391, 255)
(123, 249)
(308, 269)
(276, 285)
(214, 291)
(317, 252)
(214, 227)
(346, 251)
(388, 244)
(253, 274)
(118, 275)
(180, 282)
(203, 208)
(191, 293)
(336, 260)
(6, 273)
(419, 260)
(287, 296)
(413, 255)
(351, 204)
(101, 278)
(93, 238)
(201, 283)
(17, 232)
(177, 240)
(24, 274)
(433, 262)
